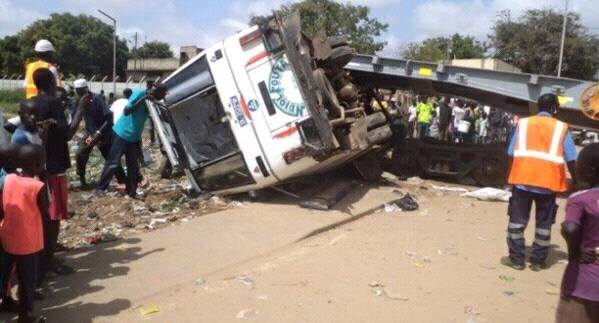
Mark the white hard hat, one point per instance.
(80, 83)
(43, 45)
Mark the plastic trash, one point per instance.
(449, 188)
(391, 208)
(247, 314)
(506, 278)
(471, 310)
(407, 203)
(149, 310)
(246, 281)
(489, 194)
(552, 290)
(200, 281)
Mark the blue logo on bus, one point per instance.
(238, 112)
(284, 92)
(253, 105)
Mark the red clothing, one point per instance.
(57, 184)
(21, 232)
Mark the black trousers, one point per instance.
(46, 256)
(104, 146)
(27, 269)
(131, 151)
(519, 213)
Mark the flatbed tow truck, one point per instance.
(270, 105)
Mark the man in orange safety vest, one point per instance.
(540, 150)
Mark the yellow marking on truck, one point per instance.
(425, 71)
(565, 99)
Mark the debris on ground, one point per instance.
(246, 281)
(415, 180)
(390, 294)
(247, 314)
(489, 194)
(406, 203)
(112, 216)
(507, 278)
(149, 310)
(444, 188)
(552, 290)
(471, 311)
(200, 281)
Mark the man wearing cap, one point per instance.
(44, 51)
(98, 124)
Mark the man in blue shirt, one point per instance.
(98, 121)
(530, 166)
(127, 138)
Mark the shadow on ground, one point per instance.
(91, 265)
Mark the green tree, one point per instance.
(532, 43)
(153, 49)
(443, 48)
(337, 19)
(83, 45)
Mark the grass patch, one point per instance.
(9, 101)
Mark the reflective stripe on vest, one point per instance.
(30, 88)
(539, 156)
(551, 155)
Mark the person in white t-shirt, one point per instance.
(118, 106)
(458, 114)
(412, 114)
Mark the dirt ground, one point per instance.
(440, 263)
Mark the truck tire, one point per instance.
(379, 135)
(490, 171)
(329, 97)
(375, 120)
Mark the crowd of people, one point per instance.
(458, 120)
(33, 180)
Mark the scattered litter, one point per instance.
(550, 283)
(247, 314)
(374, 283)
(92, 215)
(153, 222)
(411, 253)
(407, 203)
(415, 180)
(489, 194)
(262, 297)
(509, 292)
(236, 204)
(552, 290)
(424, 213)
(391, 208)
(471, 310)
(246, 281)
(484, 239)
(449, 188)
(149, 310)
(390, 294)
(507, 278)
(200, 281)
(417, 263)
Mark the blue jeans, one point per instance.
(423, 129)
(519, 213)
(131, 151)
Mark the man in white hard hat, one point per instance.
(98, 133)
(44, 51)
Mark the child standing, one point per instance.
(580, 285)
(24, 203)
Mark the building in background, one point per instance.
(158, 68)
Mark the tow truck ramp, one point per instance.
(508, 91)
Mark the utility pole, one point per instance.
(113, 51)
(561, 50)
(135, 56)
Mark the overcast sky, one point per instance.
(202, 22)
